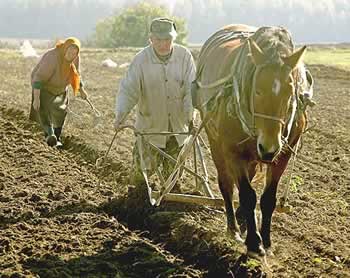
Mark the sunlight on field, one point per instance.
(329, 56)
(339, 57)
(9, 54)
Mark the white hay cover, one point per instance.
(124, 65)
(108, 63)
(27, 50)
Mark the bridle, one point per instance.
(255, 114)
(250, 128)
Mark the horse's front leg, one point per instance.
(268, 198)
(247, 200)
(226, 188)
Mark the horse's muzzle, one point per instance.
(267, 155)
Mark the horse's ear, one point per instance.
(257, 54)
(293, 60)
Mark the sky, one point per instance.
(308, 20)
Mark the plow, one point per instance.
(193, 145)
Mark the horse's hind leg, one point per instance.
(226, 188)
(268, 198)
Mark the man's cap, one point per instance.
(163, 28)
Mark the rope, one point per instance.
(284, 197)
(96, 112)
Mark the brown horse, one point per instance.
(249, 87)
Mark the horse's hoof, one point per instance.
(260, 253)
(238, 237)
(269, 253)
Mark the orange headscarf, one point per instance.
(69, 68)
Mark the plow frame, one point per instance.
(201, 180)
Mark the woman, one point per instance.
(58, 68)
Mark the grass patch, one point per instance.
(9, 54)
(339, 57)
(296, 182)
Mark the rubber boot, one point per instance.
(51, 139)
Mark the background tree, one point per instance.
(130, 27)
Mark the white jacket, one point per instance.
(162, 93)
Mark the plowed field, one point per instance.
(62, 217)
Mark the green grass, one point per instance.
(9, 54)
(339, 57)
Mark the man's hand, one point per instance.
(117, 124)
(83, 94)
(191, 128)
(36, 99)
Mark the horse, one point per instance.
(248, 90)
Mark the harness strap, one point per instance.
(219, 38)
(269, 117)
(214, 84)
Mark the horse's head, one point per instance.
(273, 90)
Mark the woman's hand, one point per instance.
(36, 99)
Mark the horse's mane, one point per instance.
(275, 42)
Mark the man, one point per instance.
(158, 82)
